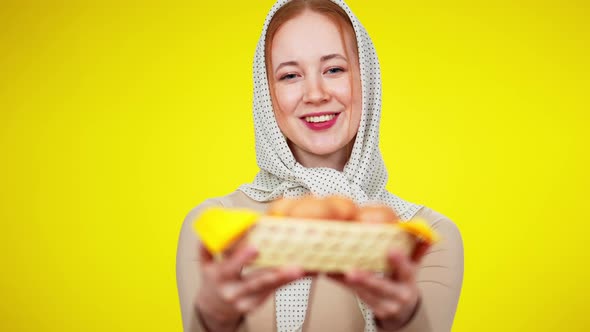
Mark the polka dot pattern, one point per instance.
(291, 304)
(363, 179)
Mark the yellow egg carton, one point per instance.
(313, 244)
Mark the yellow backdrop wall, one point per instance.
(117, 118)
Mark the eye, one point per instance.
(287, 77)
(335, 70)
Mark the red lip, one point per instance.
(320, 125)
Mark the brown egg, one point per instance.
(377, 214)
(312, 208)
(280, 207)
(343, 208)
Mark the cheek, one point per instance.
(357, 100)
(343, 92)
(357, 103)
(341, 89)
(287, 98)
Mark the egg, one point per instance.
(280, 207)
(311, 208)
(377, 214)
(343, 208)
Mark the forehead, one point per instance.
(308, 35)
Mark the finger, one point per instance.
(401, 264)
(369, 298)
(380, 287)
(420, 251)
(269, 280)
(250, 303)
(261, 284)
(387, 309)
(355, 276)
(204, 254)
(353, 279)
(232, 291)
(381, 304)
(336, 276)
(256, 271)
(231, 267)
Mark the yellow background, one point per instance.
(116, 119)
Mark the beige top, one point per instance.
(439, 280)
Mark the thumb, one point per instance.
(419, 251)
(204, 254)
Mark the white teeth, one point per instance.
(320, 118)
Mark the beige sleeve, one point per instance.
(439, 278)
(187, 270)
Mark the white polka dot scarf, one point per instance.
(364, 177)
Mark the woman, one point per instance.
(316, 111)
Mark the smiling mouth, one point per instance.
(319, 118)
(320, 121)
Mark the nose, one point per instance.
(315, 91)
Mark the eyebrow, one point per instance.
(322, 59)
(332, 56)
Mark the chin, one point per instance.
(328, 147)
(325, 149)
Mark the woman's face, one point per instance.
(316, 86)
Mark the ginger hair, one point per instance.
(295, 8)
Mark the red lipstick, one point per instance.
(320, 125)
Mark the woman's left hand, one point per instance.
(393, 298)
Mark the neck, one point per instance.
(336, 160)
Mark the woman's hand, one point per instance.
(227, 294)
(392, 298)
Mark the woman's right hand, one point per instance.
(227, 294)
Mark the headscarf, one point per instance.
(363, 178)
